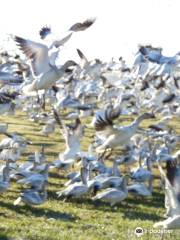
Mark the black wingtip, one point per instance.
(81, 55)
(19, 40)
(107, 118)
(44, 31)
(82, 26)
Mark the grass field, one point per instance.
(78, 218)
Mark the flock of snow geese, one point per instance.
(67, 95)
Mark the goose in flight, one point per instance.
(46, 33)
(38, 53)
(42, 58)
(155, 55)
(111, 135)
(72, 135)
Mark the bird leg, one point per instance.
(38, 98)
(44, 102)
(150, 184)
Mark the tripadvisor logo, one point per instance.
(139, 231)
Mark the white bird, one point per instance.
(49, 127)
(113, 195)
(12, 147)
(76, 189)
(141, 174)
(72, 136)
(172, 199)
(36, 180)
(47, 35)
(63, 164)
(111, 135)
(44, 70)
(4, 179)
(42, 58)
(32, 196)
(139, 189)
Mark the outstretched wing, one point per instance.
(103, 123)
(37, 53)
(82, 56)
(62, 41)
(82, 26)
(63, 127)
(170, 193)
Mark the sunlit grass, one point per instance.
(76, 218)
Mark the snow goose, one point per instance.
(4, 181)
(151, 53)
(49, 127)
(36, 180)
(12, 147)
(76, 189)
(72, 135)
(32, 196)
(173, 175)
(42, 57)
(172, 199)
(47, 35)
(113, 195)
(7, 104)
(139, 189)
(111, 135)
(14, 140)
(43, 68)
(141, 174)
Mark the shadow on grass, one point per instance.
(130, 213)
(38, 212)
(130, 208)
(57, 174)
(44, 143)
(20, 123)
(3, 236)
(156, 201)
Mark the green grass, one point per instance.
(78, 218)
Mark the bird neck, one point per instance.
(6, 174)
(116, 171)
(139, 120)
(124, 184)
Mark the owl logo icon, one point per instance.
(139, 231)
